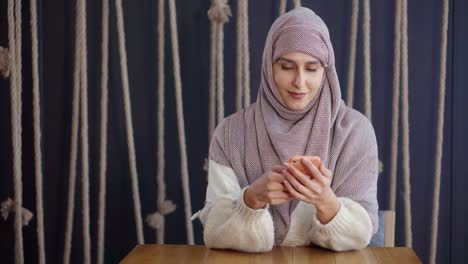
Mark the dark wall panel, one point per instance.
(459, 142)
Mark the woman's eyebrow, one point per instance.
(313, 62)
(284, 59)
(291, 61)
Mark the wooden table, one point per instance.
(284, 255)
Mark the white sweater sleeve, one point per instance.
(350, 229)
(228, 222)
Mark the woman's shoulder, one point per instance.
(353, 121)
(236, 119)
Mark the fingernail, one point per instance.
(286, 164)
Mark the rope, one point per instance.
(245, 54)
(104, 118)
(405, 126)
(14, 42)
(440, 133)
(212, 110)
(239, 61)
(239, 58)
(352, 53)
(219, 14)
(220, 72)
(129, 123)
(161, 165)
(180, 121)
(156, 220)
(367, 59)
(297, 3)
(81, 9)
(19, 109)
(73, 147)
(282, 7)
(395, 105)
(37, 134)
(5, 61)
(243, 60)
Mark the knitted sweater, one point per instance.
(230, 224)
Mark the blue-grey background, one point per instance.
(56, 31)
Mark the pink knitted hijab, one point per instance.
(267, 133)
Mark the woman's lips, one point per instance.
(297, 95)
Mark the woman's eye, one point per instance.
(287, 68)
(312, 70)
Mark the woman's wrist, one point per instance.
(251, 201)
(327, 211)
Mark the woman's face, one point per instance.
(298, 77)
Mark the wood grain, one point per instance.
(284, 255)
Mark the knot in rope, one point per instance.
(155, 220)
(166, 207)
(219, 11)
(8, 206)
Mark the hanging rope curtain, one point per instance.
(103, 144)
(180, 121)
(80, 95)
(218, 14)
(282, 6)
(81, 8)
(405, 126)
(129, 122)
(297, 3)
(352, 53)
(395, 104)
(366, 28)
(243, 56)
(37, 134)
(73, 147)
(156, 220)
(14, 67)
(440, 133)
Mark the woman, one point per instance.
(254, 199)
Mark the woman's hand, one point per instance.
(268, 189)
(314, 189)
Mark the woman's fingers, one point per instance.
(298, 186)
(274, 186)
(316, 173)
(301, 177)
(278, 197)
(277, 169)
(326, 172)
(293, 191)
(284, 183)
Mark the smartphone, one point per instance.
(296, 161)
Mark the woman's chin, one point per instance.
(297, 105)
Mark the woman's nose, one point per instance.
(299, 79)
